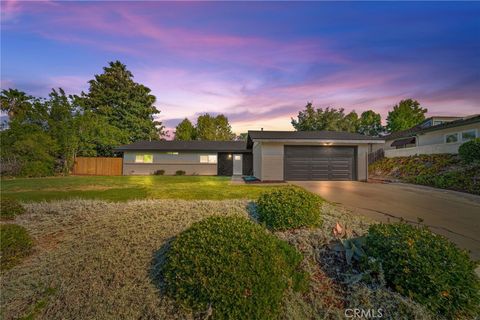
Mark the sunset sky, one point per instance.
(259, 63)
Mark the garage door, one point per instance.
(319, 163)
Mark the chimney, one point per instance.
(261, 129)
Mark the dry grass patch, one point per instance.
(93, 260)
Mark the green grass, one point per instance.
(128, 188)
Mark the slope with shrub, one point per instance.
(446, 171)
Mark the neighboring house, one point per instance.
(267, 155)
(434, 135)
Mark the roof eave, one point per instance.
(322, 141)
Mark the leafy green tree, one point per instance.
(370, 123)
(223, 128)
(242, 136)
(16, 103)
(350, 122)
(331, 119)
(127, 105)
(185, 131)
(63, 128)
(27, 148)
(214, 128)
(206, 127)
(406, 114)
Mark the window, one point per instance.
(208, 158)
(237, 157)
(144, 158)
(174, 153)
(469, 135)
(451, 137)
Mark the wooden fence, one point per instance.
(89, 166)
(375, 156)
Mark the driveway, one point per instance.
(453, 214)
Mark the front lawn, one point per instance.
(97, 260)
(128, 188)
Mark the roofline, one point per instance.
(181, 150)
(452, 124)
(321, 141)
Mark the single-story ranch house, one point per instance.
(267, 155)
(434, 135)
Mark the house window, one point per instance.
(174, 153)
(237, 157)
(469, 135)
(208, 158)
(144, 158)
(451, 138)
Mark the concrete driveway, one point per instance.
(453, 214)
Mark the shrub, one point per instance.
(159, 172)
(180, 173)
(290, 207)
(232, 265)
(15, 244)
(427, 268)
(9, 208)
(470, 151)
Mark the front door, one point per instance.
(237, 164)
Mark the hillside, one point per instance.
(444, 171)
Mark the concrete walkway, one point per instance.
(453, 214)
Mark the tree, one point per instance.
(330, 119)
(27, 148)
(406, 114)
(16, 103)
(370, 123)
(63, 128)
(214, 128)
(125, 104)
(185, 131)
(223, 128)
(242, 136)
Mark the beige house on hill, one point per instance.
(434, 135)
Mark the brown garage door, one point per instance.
(319, 163)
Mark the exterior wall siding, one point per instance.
(271, 167)
(272, 161)
(132, 169)
(188, 162)
(438, 137)
(257, 160)
(427, 149)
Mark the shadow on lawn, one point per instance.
(156, 267)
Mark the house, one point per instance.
(267, 155)
(432, 136)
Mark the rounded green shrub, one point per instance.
(9, 208)
(427, 268)
(15, 244)
(470, 151)
(288, 208)
(233, 266)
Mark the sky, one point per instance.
(258, 63)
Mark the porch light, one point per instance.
(229, 156)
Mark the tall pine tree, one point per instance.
(125, 104)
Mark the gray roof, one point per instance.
(196, 145)
(306, 135)
(314, 135)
